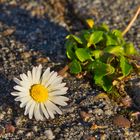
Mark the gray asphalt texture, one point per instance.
(39, 31)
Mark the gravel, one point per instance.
(33, 32)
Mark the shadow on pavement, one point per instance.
(35, 33)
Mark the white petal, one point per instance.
(22, 98)
(57, 87)
(52, 78)
(23, 95)
(54, 107)
(34, 75)
(47, 78)
(24, 101)
(38, 74)
(64, 89)
(49, 109)
(60, 100)
(15, 93)
(58, 92)
(17, 81)
(30, 77)
(19, 88)
(20, 93)
(41, 113)
(26, 84)
(44, 111)
(45, 75)
(18, 98)
(37, 113)
(23, 77)
(27, 108)
(31, 110)
(57, 81)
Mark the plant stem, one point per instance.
(63, 71)
(131, 22)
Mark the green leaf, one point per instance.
(101, 73)
(102, 69)
(125, 66)
(111, 41)
(70, 49)
(75, 67)
(105, 82)
(117, 33)
(76, 38)
(116, 50)
(85, 35)
(119, 37)
(95, 38)
(130, 49)
(83, 54)
(97, 53)
(102, 52)
(90, 66)
(105, 27)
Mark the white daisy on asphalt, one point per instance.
(40, 93)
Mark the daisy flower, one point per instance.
(40, 93)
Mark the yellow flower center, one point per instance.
(39, 93)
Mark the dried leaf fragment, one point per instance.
(8, 32)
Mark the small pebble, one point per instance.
(85, 116)
(127, 101)
(35, 128)
(1, 116)
(98, 111)
(43, 60)
(9, 128)
(9, 111)
(49, 134)
(108, 112)
(121, 121)
(20, 131)
(18, 121)
(29, 135)
(90, 138)
(25, 55)
(2, 130)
